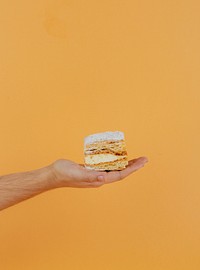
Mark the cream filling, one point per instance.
(95, 159)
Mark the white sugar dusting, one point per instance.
(104, 136)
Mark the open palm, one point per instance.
(70, 174)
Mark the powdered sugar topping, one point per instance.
(104, 136)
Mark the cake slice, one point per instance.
(105, 151)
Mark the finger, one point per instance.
(133, 166)
(87, 175)
(92, 176)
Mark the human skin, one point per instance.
(18, 187)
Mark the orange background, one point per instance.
(72, 68)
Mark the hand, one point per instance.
(70, 174)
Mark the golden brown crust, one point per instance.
(116, 165)
(102, 143)
(107, 147)
(108, 162)
(106, 151)
(117, 148)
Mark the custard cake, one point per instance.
(105, 151)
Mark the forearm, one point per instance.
(18, 187)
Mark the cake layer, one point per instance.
(109, 166)
(101, 158)
(116, 147)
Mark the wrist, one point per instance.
(45, 178)
(52, 177)
(56, 177)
